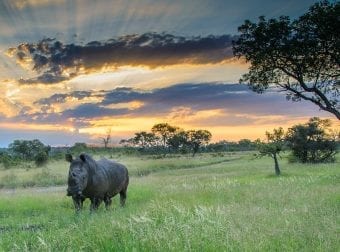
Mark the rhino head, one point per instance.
(77, 178)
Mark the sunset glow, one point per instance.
(79, 68)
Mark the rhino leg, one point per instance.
(123, 193)
(82, 202)
(122, 197)
(108, 202)
(95, 203)
(78, 203)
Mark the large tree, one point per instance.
(144, 139)
(197, 138)
(164, 131)
(300, 57)
(178, 140)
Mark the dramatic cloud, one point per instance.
(62, 98)
(177, 101)
(56, 61)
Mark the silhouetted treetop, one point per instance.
(300, 57)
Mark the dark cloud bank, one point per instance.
(231, 98)
(51, 57)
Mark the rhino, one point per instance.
(97, 180)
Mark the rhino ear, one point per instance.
(83, 157)
(68, 157)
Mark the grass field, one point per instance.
(208, 203)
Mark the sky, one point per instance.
(70, 70)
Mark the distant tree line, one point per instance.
(311, 142)
(165, 138)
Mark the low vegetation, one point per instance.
(207, 203)
(181, 197)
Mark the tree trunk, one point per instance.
(277, 168)
(195, 149)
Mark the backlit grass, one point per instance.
(212, 205)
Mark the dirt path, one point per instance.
(32, 190)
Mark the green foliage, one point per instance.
(27, 149)
(7, 160)
(41, 158)
(58, 153)
(197, 138)
(79, 148)
(178, 141)
(165, 138)
(300, 57)
(241, 145)
(164, 131)
(312, 141)
(144, 139)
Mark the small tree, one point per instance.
(106, 140)
(312, 141)
(196, 138)
(272, 146)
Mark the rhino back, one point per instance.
(110, 178)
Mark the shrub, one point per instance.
(41, 158)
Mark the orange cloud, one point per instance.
(36, 127)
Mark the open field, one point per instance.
(209, 203)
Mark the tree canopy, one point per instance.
(28, 149)
(169, 138)
(196, 138)
(313, 141)
(300, 57)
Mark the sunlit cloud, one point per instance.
(25, 3)
(145, 78)
(37, 127)
(56, 62)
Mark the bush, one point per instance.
(41, 158)
(27, 149)
(7, 160)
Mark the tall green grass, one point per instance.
(55, 172)
(212, 205)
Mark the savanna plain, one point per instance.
(211, 202)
